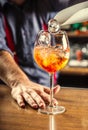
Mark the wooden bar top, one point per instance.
(75, 101)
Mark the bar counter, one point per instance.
(75, 117)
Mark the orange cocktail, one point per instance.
(50, 58)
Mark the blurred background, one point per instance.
(75, 74)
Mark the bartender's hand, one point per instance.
(22, 89)
(34, 94)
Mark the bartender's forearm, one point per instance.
(10, 72)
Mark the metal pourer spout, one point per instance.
(53, 26)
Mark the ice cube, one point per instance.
(44, 37)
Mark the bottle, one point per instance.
(74, 14)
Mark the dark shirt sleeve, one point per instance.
(3, 42)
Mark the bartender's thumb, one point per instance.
(55, 89)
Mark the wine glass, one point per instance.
(51, 53)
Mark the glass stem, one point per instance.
(51, 89)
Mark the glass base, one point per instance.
(52, 110)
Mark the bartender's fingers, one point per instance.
(39, 101)
(34, 100)
(46, 98)
(30, 100)
(20, 100)
(55, 89)
(16, 94)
